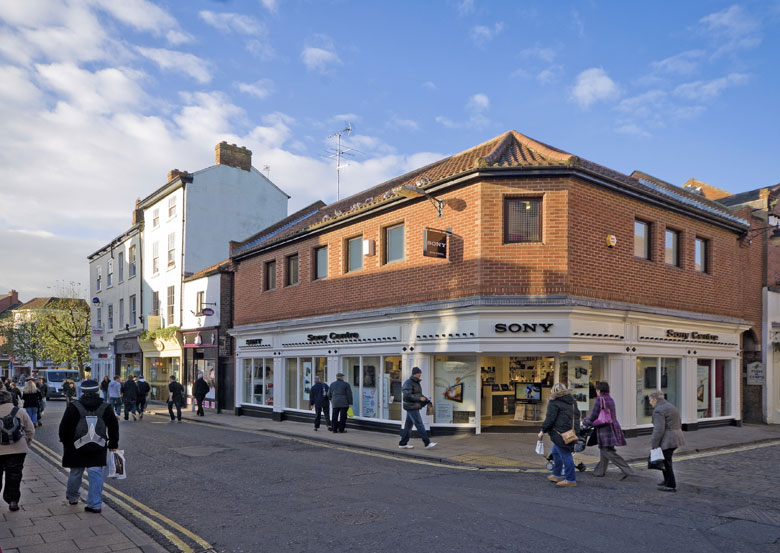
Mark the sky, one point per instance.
(99, 99)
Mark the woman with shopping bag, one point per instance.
(667, 434)
(608, 433)
(562, 423)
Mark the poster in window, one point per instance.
(306, 365)
(369, 402)
(702, 382)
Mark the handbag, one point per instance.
(605, 415)
(570, 435)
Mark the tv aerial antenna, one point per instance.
(338, 154)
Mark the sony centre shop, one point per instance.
(492, 367)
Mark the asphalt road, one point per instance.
(251, 493)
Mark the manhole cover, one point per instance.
(753, 514)
(357, 518)
(199, 450)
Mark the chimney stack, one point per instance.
(138, 213)
(173, 173)
(11, 299)
(234, 156)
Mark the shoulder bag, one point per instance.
(605, 415)
(570, 435)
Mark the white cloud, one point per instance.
(476, 106)
(550, 75)
(271, 5)
(703, 91)
(403, 124)
(593, 85)
(232, 22)
(730, 30)
(577, 23)
(683, 63)
(478, 103)
(538, 52)
(633, 130)
(319, 59)
(465, 7)
(344, 117)
(447, 122)
(178, 37)
(481, 35)
(643, 103)
(259, 89)
(260, 48)
(182, 62)
(430, 85)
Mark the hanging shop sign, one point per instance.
(435, 243)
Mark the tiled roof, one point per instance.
(510, 150)
(742, 198)
(42, 303)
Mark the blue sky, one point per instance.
(99, 99)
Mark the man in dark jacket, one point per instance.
(199, 391)
(175, 397)
(340, 396)
(85, 442)
(414, 400)
(143, 390)
(130, 396)
(43, 388)
(318, 400)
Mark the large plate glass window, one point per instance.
(355, 254)
(713, 388)
(454, 389)
(291, 384)
(641, 239)
(522, 220)
(654, 374)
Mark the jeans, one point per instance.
(178, 409)
(129, 408)
(668, 471)
(116, 402)
(339, 419)
(12, 466)
(32, 412)
(95, 475)
(320, 409)
(413, 417)
(563, 463)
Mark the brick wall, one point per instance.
(572, 259)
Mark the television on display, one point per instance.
(530, 392)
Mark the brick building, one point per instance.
(498, 271)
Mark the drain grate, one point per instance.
(753, 514)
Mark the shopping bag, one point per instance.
(540, 447)
(117, 468)
(350, 413)
(656, 459)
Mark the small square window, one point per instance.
(321, 262)
(672, 247)
(270, 275)
(642, 240)
(292, 270)
(522, 220)
(355, 254)
(394, 243)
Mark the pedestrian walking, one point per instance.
(667, 434)
(413, 402)
(175, 398)
(16, 394)
(340, 396)
(104, 388)
(13, 448)
(31, 397)
(199, 391)
(88, 430)
(562, 416)
(143, 391)
(130, 397)
(608, 435)
(115, 395)
(43, 388)
(318, 400)
(69, 390)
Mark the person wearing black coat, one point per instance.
(562, 415)
(199, 391)
(130, 396)
(91, 456)
(104, 387)
(143, 391)
(340, 396)
(318, 400)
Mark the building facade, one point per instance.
(498, 271)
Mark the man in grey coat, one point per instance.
(340, 396)
(667, 434)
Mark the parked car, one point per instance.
(54, 379)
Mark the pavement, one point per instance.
(486, 450)
(46, 523)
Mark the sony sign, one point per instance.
(524, 327)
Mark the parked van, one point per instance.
(54, 379)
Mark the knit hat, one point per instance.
(89, 386)
(416, 370)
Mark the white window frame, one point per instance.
(171, 304)
(171, 207)
(131, 262)
(155, 258)
(258, 362)
(133, 309)
(110, 273)
(99, 319)
(99, 278)
(121, 313)
(121, 267)
(156, 217)
(199, 300)
(110, 318)
(172, 249)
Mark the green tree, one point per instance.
(26, 342)
(65, 331)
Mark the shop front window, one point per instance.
(454, 390)
(392, 392)
(269, 382)
(713, 388)
(376, 392)
(291, 385)
(160, 369)
(654, 374)
(580, 373)
(246, 378)
(516, 389)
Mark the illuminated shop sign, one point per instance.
(523, 327)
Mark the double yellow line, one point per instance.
(171, 530)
